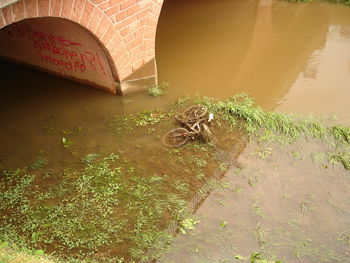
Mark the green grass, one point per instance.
(89, 210)
(342, 158)
(157, 90)
(346, 2)
(239, 113)
(256, 257)
(11, 254)
(114, 208)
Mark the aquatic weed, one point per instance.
(342, 158)
(39, 163)
(157, 90)
(345, 2)
(77, 216)
(240, 113)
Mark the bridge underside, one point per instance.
(106, 44)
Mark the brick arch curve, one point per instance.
(125, 29)
(84, 13)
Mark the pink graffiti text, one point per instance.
(60, 52)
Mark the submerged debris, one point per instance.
(195, 121)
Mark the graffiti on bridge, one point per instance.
(58, 51)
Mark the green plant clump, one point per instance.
(11, 254)
(346, 2)
(240, 112)
(341, 158)
(157, 90)
(255, 258)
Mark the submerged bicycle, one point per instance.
(195, 121)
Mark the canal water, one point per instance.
(291, 58)
(280, 53)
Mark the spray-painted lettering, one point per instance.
(58, 51)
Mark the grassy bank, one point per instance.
(239, 113)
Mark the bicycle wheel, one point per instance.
(176, 137)
(195, 112)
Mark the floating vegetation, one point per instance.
(306, 205)
(158, 90)
(39, 163)
(341, 158)
(259, 233)
(143, 119)
(90, 157)
(303, 249)
(107, 207)
(66, 143)
(258, 211)
(222, 225)
(256, 257)
(10, 254)
(118, 207)
(80, 218)
(346, 2)
(345, 238)
(187, 224)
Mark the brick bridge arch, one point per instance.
(103, 43)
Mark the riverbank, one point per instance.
(109, 206)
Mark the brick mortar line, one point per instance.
(12, 13)
(113, 37)
(148, 8)
(104, 33)
(88, 23)
(104, 10)
(153, 15)
(61, 8)
(126, 66)
(116, 48)
(135, 14)
(118, 30)
(25, 9)
(145, 27)
(99, 23)
(71, 10)
(49, 7)
(3, 18)
(103, 2)
(82, 12)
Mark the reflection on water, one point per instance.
(325, 78)
(220, 48)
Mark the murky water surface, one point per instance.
(282, 54)
(293, 58)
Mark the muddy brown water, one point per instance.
(293, 58)
(290, 57)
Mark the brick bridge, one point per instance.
(107, 44)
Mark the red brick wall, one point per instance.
(125, 28)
